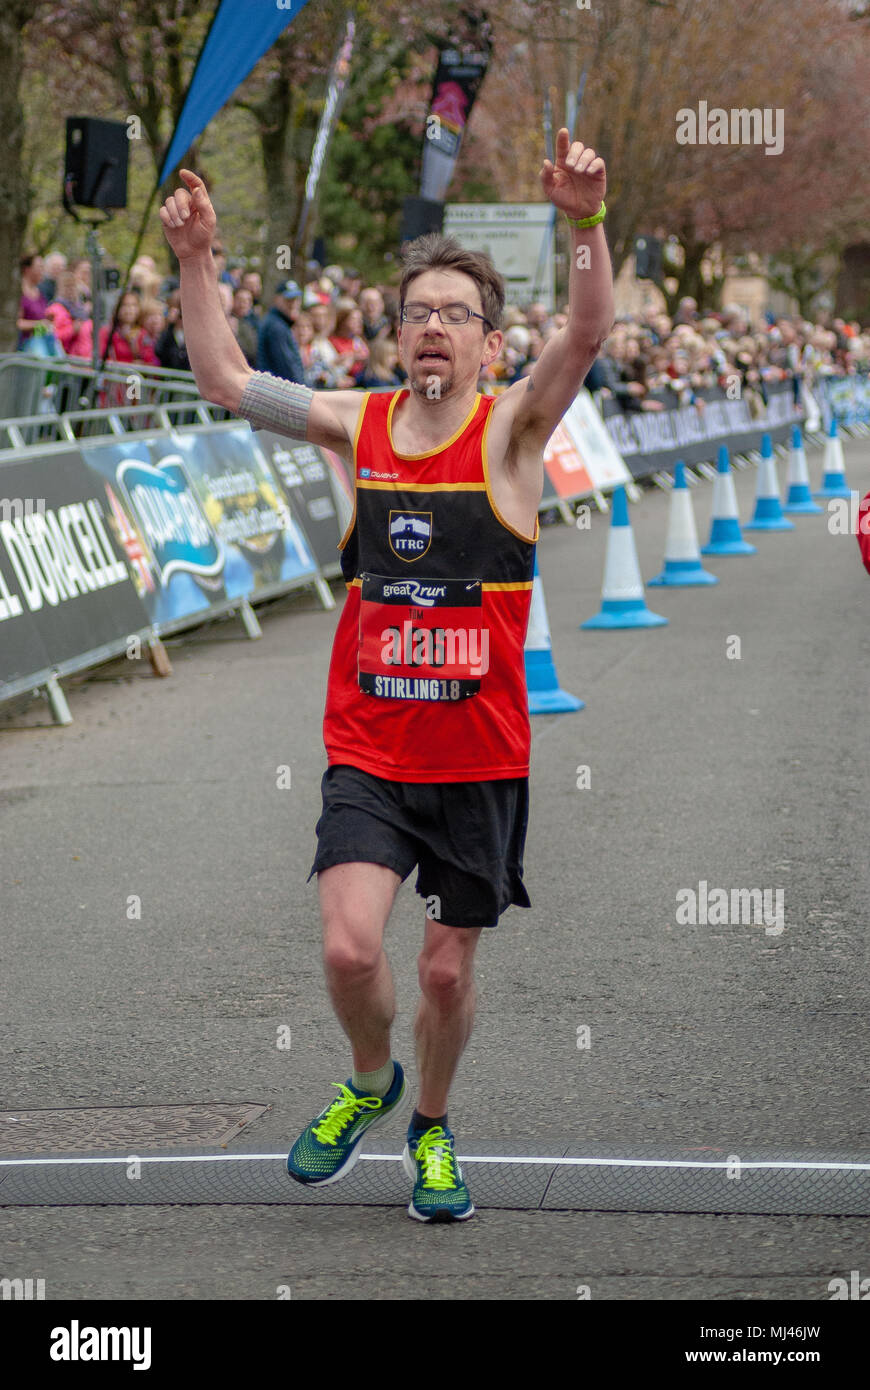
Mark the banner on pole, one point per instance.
(462, 65)
(240, 33)
(329, 116)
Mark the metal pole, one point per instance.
(95, 255)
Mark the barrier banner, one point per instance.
(653, 440)
(342, 490)
(845, 399)
(199, 517)
(313, 491)
(173, 553)
(65, 584)
(580, 457)
(262, 543)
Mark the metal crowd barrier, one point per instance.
(31, 386)
(38, 438)
(27, 430)
(139, 419)
(21, 432)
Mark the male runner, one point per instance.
(426, 724)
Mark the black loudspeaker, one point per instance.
(95, 172)
(419, 216)
(648, 258)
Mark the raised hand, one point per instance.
(188, 218)
(576, 183)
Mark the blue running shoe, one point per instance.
(439, 1192)
(330, 1146)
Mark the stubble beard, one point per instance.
(420, 381)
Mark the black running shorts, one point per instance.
(466, 837)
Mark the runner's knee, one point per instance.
(443, 976)
(352, 943)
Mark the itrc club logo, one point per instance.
(410, 534)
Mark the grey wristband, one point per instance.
(270, 403)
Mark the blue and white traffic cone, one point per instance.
(768, 508)
(622, 600)
(545, 696)
(682, 555)
(726, 537)
(799, 499)
(833, 470)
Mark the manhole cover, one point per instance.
(133, 1127)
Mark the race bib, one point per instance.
(421, 639)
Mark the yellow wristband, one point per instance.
(587, 221)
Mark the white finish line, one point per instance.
(470, 1158)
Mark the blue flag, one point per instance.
(240, 33)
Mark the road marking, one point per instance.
(744, 1164)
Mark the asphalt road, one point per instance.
(741, 772)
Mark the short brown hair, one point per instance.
(434, 251)
(343, 310)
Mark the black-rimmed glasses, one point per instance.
(448, 313)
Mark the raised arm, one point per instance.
(218, 363)
(216, 359)
(576, 185)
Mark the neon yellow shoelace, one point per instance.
(433, 1151)
(342, 1112)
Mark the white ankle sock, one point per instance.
(375, 1083)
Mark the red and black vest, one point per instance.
(427, 677)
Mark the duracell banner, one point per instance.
(65, 585)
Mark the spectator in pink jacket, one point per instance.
(130, 342)
(72, 323)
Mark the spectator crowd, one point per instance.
(332, 332)
(691, 351)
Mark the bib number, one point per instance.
(421, 639)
